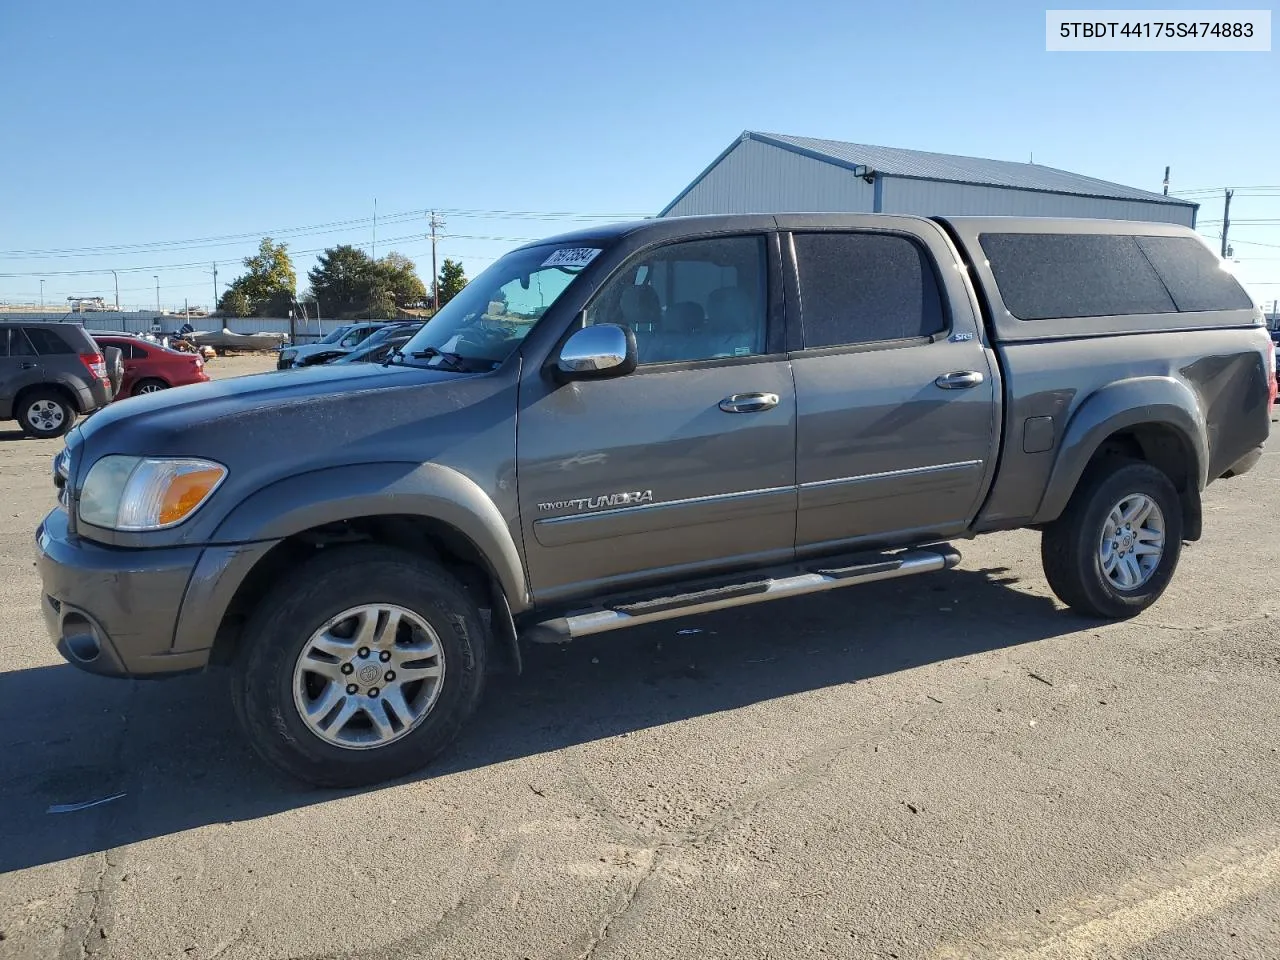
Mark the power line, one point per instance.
(332, 226)
(408, 238)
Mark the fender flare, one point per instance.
(1162, 401)
(428, 490)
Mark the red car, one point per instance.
(149, 367)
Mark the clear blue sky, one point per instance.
(127, 123)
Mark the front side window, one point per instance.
(865, 288)
(697, 300)
(484, 323)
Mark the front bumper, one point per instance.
(135, 613)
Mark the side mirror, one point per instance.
(598, 352)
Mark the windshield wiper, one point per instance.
(456, 360)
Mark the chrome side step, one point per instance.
(815, 580)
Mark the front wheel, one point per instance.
(1113, 551)
(360, 667)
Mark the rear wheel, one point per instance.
(1113, 551)
(360, 667)
(150, 385)
(45, 413)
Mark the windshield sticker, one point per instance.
(571, 257)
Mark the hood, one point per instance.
(283, 426)
(309, 349)
(256, 417)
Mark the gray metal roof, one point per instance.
(922, 165)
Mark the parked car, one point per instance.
(646, 421)
(149, 367)
(336, 343)
(50, 372)
(375, 350)
(335, 350)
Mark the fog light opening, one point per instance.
(81, 638)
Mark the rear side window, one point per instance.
(14, 343)
(48, 342)
(1194, 276)
(865, 287)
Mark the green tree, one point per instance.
(340, 280)
(398, 276)
(268, 286)
(451, 280)
(348, 283)
(234, 303)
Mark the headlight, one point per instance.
(146, 493)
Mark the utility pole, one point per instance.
(117, 278)
(41, 294)
(373, 253)
(1166, 181)
(156, 278)
(1226, 223)
(215, 287)
(435, 271)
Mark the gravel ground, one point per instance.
(949, 766)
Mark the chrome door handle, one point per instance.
(959, 380)
(749, 402)
(26, 366)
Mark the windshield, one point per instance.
(336, 335)
(481, 326)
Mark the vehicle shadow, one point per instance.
(6, 435)
(173, 750)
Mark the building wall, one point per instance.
(756, 177)
(935, 198)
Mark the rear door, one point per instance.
(686, 465)
(19, 367)
(895, 387)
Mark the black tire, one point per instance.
(32, 407)
(1069, 547)
(335, 581)
(149, 385)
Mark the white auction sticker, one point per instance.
(571, 257)
(1188, 31)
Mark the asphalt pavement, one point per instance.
(947, 766)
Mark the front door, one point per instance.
(686, 465)
(895, 390)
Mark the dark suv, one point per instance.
(49, 373)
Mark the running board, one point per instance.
(815, 579)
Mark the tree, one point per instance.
(268, 287)
(234, 303)
(398, 275)
(349, 283)
(340, 280)
(451, 280)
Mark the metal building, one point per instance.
(772, 173)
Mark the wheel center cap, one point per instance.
(1126, 542)
(369, 673)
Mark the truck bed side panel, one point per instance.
(1079, 387)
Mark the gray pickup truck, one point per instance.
(646, 421)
